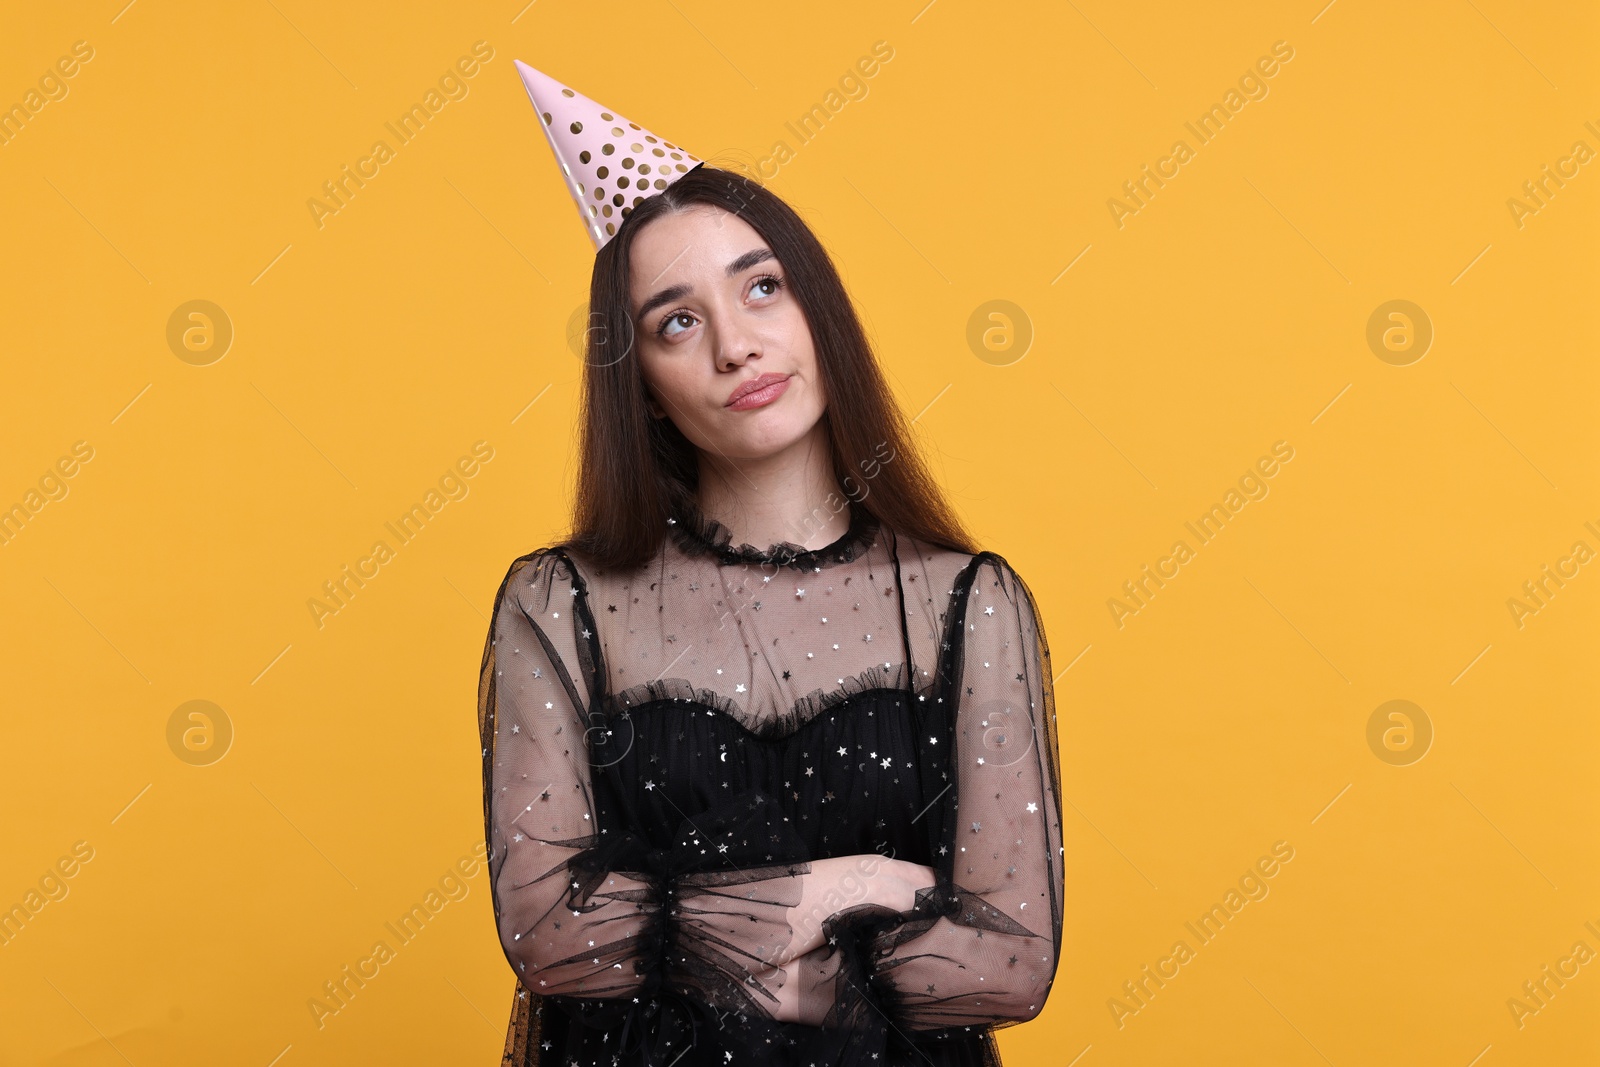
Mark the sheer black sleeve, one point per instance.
(981, 946)
(585, 911)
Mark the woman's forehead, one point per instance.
(701, 242)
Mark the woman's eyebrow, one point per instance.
(678, 292)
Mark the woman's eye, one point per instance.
(770, 283)
(664, 332)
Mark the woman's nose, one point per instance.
(736, 342)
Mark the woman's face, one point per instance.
(712, 311)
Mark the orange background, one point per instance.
(1167, 350)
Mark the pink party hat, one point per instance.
(609, 163)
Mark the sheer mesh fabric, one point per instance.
(667, 751)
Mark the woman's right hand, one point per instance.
(842, 882)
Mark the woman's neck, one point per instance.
(790, 495)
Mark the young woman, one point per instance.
(795, 804)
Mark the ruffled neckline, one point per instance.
(700, 535)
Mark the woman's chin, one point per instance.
(762, 443)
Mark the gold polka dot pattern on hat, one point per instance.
(586, 139)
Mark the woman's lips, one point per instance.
(768, 388)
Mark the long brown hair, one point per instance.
(635, 471)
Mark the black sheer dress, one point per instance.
(665, 751)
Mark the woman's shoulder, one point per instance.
(954, 566)
(543, 571)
